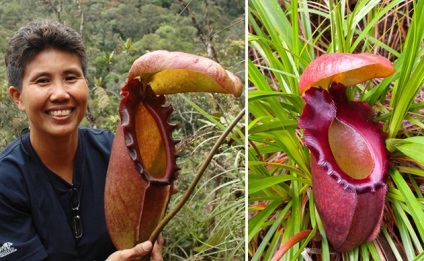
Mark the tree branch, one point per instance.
(206, 36)
(196, 180)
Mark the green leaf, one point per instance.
(265, 183)
(284, 37)
(413, 150)
(258, 221)
(411, 147)
(414, 206)
(272, 233)
(215, 239)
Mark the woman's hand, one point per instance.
(139, 251)
(157, 249)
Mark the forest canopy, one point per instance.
(115, 34)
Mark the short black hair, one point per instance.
(36, 37)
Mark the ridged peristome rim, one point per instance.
(322, 107)
(134, 93)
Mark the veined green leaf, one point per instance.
(256, 223)
(272, 233)
(273, 126)
(413, 150)
(411, 170)
(419, 257)
(401, 218)
(285, 38)
(411, 147)
(265, 183)
(414, 206)
(411, 71)
(392, 244)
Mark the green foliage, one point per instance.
(220, 199)
(286, 36)
(116, 33)
(411, 147)
(12, 120)
(218, 205)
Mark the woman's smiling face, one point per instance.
(54, 93)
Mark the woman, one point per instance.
(52, 179)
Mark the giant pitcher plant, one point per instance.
(142, 166)
(349, 160)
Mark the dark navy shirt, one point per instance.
(36, 207)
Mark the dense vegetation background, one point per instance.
(115, 34)
(283, 38)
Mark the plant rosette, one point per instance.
(349, 160)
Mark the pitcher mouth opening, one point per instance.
(345, 141)
(350, 150)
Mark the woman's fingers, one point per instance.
(157, 249)
(139, 250)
